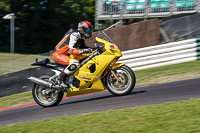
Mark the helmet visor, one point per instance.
(88, 31)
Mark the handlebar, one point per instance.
(94, 48)
(98, 47)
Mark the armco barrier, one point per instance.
(161, 55)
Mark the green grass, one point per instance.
(22, 61)
(16, 100)
(177, 72)
(173, 117)
(188, 70)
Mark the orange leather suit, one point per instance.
(63, 50)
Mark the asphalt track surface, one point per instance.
(152, 94)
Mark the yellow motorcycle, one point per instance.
(98, 71)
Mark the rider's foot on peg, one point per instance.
(61, 79)
(63, 84)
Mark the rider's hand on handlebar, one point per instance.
(85, 51)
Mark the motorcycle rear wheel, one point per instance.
(46, 100)
(126, 83)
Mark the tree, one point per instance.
(40, 24)
(4, 28)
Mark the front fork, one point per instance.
(118, 79)
(111, 69)
(113, 73)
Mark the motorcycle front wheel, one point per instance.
(44, 96)
(124, 85)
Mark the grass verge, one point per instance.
(21, 61)
(175, 117)
(16, 100)
(171, 73)
(188, 70)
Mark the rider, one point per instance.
(72, 43)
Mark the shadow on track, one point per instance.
(102, 97)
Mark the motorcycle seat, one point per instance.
(46, 63)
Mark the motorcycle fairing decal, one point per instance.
(84, 77)
(112, 47)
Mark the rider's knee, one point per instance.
(74, 64)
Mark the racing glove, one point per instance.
(85, 51)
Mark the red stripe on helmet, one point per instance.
(89, 23)
(80, 28)
(85, 24)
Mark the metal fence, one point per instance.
(162, 55)
(122, 9)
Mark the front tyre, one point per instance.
(125, 84)
(44, 96)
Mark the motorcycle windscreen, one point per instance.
(102, 35)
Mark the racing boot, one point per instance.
(61, 78)
(74, 64)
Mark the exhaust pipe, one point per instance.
(40, 82)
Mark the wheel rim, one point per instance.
(43, 97)
(120, 86)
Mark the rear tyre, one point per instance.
(126, 83)
(44, 96)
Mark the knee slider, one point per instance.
(74, 63)
(72, 67)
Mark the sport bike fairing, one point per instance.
(90, 74)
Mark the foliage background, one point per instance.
(40, 24)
